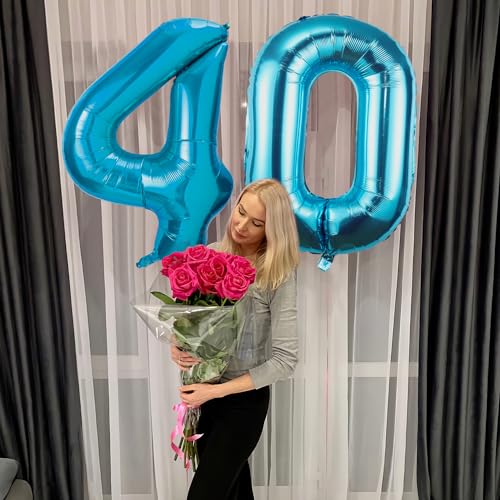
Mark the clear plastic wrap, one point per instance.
(209, 333)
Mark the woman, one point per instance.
(262, 228)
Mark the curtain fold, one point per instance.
(345, 426)
(40, 423)
(459, 392)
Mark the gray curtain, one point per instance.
(459, 388)
(40, 423)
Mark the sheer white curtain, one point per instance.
(345, 426)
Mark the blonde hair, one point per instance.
(278, 254)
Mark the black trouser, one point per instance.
(231, 428)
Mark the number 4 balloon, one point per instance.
(185, 184)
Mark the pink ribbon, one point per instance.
(181, 409)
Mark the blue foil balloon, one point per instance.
(185, 184)
(280, 84)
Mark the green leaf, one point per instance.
(163, 314)
(201, 302)
(164, 298)
(182, 322)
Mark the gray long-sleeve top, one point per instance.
(269, 344)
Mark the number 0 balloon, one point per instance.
(280, 84)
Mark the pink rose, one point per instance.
(207, 278)
(183, 282)
(171, 262)
(197, 255)
(233, 286)
(210, 273)
(241, 265)
(219, 265)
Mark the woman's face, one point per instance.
(248, 221)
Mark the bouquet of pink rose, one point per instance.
(202, 316)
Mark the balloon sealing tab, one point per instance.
(325, 262)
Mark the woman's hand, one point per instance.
(197, 394)
(181, 358)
